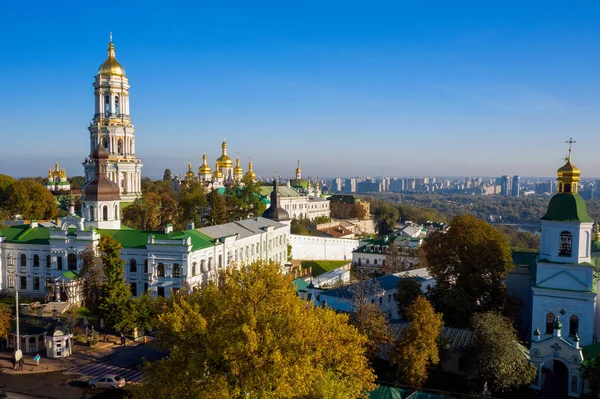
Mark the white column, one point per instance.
(112, 103)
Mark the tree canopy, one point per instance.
(590, 371)
(92, 274)
(408, 290)
(494, 355)
(250, 336)
(386, 217)
(469, 263)
(416, 350)
(31, 200)
(115, 293)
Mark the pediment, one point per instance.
(564, 280)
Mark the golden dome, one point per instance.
(250, 173)
(568, 176)
(204, 169)
(317, 183)
(111, 66)
(217, 173)
(237, 171)
(189, 174)
(298, 170)
(224, 160)
(596, 233)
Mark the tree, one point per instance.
(393, 263)
(494, 354)
(167, 176)
(151, 212)
(6, 183)
(5, 321)
(31, 200)
(416, 350)
(92, 274)
(250, 336)
(590, 371)
(192, 204)
(366, 316)
(142, 313)
(408, 290)
(469, 263)
(244, 200)
(77, 182)
(386, 216)
(218, 209)
(115, 293)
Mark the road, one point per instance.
(68, 385)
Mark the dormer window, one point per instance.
(565, 245)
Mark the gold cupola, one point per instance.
(568, 175)
(217, 174)
(224, 161)
(189, 175)
(298, 171)
(596, 232)
(204, 169)
(111, 66)
(238, 171)
(250, 174)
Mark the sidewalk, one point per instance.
(81, 355)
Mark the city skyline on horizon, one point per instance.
(417, 95)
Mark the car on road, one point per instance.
(111, 381)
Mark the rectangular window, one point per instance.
(11, 281)
(36, 283)
(59, 262)
(161, 291)
(23, 282)
(145, 287)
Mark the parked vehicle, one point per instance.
(110, 381)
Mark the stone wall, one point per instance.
(322, 248)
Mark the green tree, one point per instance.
(192, 204)
(416, 350)
(250, 336)
(386, 216)
(142, 312)
(151, 212)
(6, 183)
(494, 355)
(590, 371)
(31, 200)
(92, 274)
(244, 200)
(115, 293)
(408, 290)
(77, 182)
(167, 176)
(218, 209)
(469, 263)
(5, 321)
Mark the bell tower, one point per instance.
(112, 128)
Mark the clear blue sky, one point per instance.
(348, 87)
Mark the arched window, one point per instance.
(160, 270)
(573, 325)
(105, 142)
(72, 261)
(59, 262)
(10, 260)
(566, 239)
(194, 269)
(106, 106)
(145, 265)
(132, 266)
(120, 146)
(117, 105)
(91, 213)
(209, 264)
(23, 262)
(48, 261)
(176, 270)
(116, 211)
(105, 213)
(36, 261)
(550, 323)
(202, 266)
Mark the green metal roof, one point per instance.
(596, 247)
(299, 183)
(300, 284)
(385, 392)
(346, 199)
(23, 234)
(70, 274)
(567, 207)
(139, 239)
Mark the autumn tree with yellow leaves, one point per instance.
(250, 336)
(416, 350)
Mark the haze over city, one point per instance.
(417, 89)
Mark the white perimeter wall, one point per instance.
(322, 248)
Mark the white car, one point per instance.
(111, 381)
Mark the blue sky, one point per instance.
(417, 88)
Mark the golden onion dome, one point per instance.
(238, 171)
(189, 174)
(204, 169)
(596, 233)
(224, 160)
(111, 66)
(568, 176)
(217, 173)
(317, 183)
(250, 173)
(298, 170)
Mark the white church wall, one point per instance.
(322, 248)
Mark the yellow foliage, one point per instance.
(250, 336)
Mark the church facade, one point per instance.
(565, 316)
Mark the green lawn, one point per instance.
(321, 266)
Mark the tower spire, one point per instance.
(570, 142)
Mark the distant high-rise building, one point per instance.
(505, 186)
(350, 186)
(337, 185)
(516, 186)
